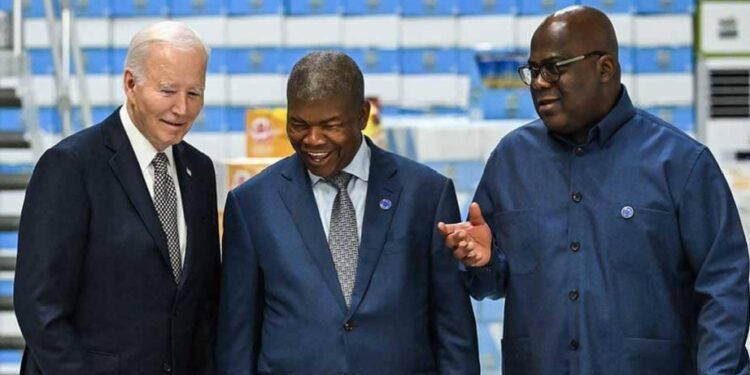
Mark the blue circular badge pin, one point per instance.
(385, 204)
(627, 212)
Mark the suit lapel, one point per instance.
(125, 167)
(182, 166)
(296, 192)
(382, 188)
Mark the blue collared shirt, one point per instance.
(623, 255)
(325, 193)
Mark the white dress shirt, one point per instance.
(325, 193)
(145, 153)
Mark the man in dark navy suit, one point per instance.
(332, 259)
(118, 251)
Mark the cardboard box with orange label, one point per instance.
(266, 133)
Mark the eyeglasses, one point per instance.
(550, 71)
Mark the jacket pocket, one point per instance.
(656, 357)
(515, 233)
(641, 240)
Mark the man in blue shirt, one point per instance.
(612, 235)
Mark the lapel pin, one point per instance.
(189, 172)
(627, 212)
(385, 204)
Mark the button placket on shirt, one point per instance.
(573, 295)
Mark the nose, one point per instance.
(179, 107)
(538, 82)
(314, 136)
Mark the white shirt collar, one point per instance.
(144, 150)
(359, 167)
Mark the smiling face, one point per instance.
(326, 133)
(164, 102)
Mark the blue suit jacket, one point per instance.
(282, 310)
(94, 292)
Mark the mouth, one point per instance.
(546, 104)
(173, 123)
(317, 157)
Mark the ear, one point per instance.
(364, 114)
(128, 81)
(607, 68)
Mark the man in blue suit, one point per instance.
(332, 260)
(118, 249)
(611, 234)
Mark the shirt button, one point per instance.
(166, 367)
(575, 246)
(580, 151)
(573, 295)
(348, 327)
(577, 197)
(573, 345)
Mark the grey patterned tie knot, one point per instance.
(340, 181)
(165, 202)
(343, 239)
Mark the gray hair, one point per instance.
(175, 34)
(325, 74)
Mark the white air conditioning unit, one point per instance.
(724, 106)
(723, 77)
(724, 123)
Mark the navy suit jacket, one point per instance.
(94, 291)
(282, 310)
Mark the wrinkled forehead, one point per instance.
(177, 68)
(332, 103)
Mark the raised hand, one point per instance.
(471, 241)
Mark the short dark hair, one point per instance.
(324, 74)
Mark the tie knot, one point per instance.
(341, 180)
(160, 162)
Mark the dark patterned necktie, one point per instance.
(165, 202)
(343, 239)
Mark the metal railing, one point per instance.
(63, 48)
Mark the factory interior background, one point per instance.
(442, 74)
